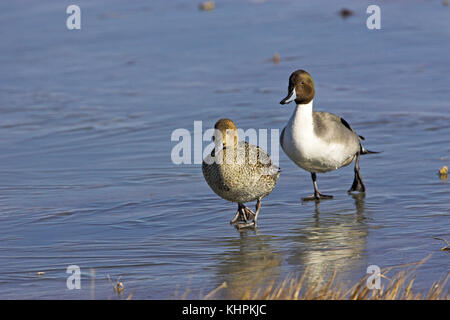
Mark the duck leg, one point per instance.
(258, 208)
(236, 217)
(317, 195)
(251, 214)
(240, 214)
(358, 184)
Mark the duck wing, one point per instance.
(334, 129)
(263, 161)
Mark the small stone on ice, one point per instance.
(207, 6)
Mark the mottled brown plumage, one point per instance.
(237, 178)
(239, 172)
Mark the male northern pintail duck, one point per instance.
(239, 172)
(318, 141)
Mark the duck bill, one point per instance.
(290, 97)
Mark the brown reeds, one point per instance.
(397, 287)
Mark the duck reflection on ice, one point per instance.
(324, 242)
(331, 241)
(250, 261)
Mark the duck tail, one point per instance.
(365, 151)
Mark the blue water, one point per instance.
(86, 118)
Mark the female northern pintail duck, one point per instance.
(318, 141)
(239, 172)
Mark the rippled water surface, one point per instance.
(86, 118)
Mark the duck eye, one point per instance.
(303, 82)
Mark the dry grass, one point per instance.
(400, 286)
